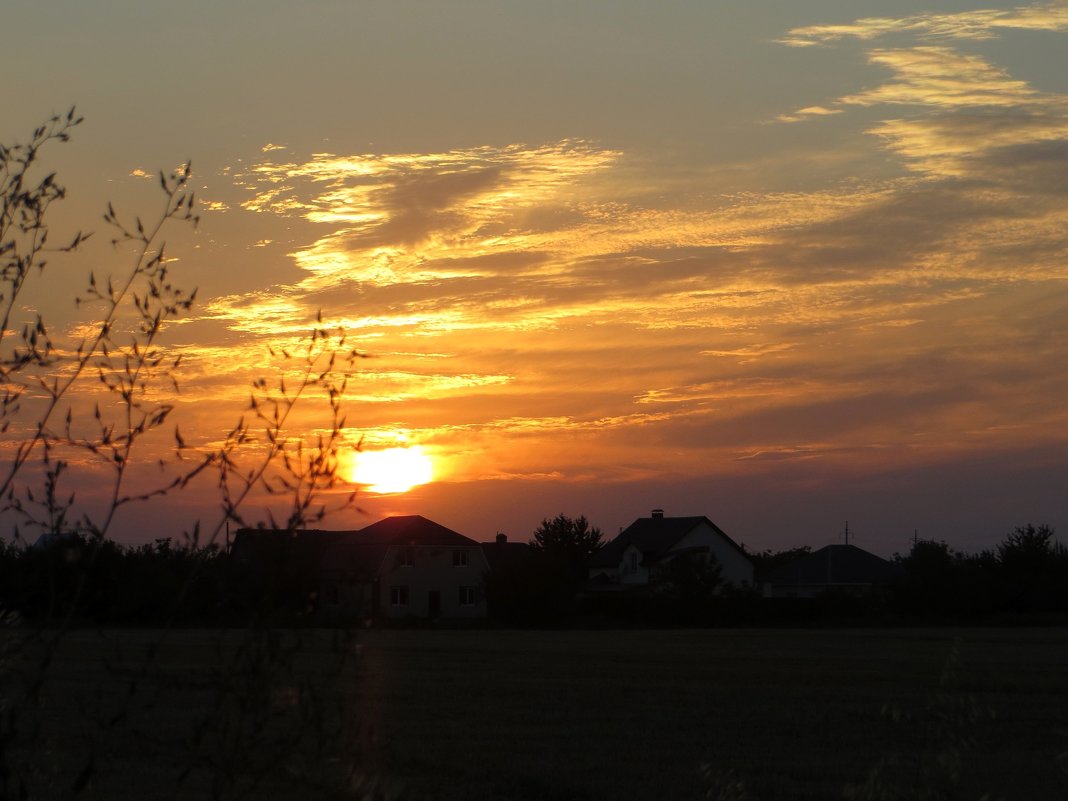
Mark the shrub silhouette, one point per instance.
(73, 573)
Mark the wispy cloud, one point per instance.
(808, 113)
(974, 108)
(941, 77)
(976, 25)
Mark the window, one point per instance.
(468, 596)
(407, 557)
(459, 558)
(631, 565)
(398, 596)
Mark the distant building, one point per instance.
(643, 551)
(399, 567)
(833, 568)
(404, 567)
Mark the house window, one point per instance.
(407, 557)
(631, 565)
(459, 558)
(468, 596)
(398, 595)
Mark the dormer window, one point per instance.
(459, 558)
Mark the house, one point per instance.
(644, 550)
(833, 568)
(404, 567)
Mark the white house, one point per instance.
(649, 544)
(404, 567)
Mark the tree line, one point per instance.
(1025, 575)
(101, 581)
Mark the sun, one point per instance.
(392, 469)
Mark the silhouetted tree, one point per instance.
(568, 541)
(1027, 544)
(147, 584)
(541, 588)
(1027, 573)
(937, 581)
(927, 585)
(529, 592)
(74, 573)
(1033, 570)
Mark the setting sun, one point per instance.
(392, 469)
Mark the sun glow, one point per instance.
(392, 469)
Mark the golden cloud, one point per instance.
(976, 25)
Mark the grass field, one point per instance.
(559, 714)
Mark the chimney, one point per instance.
(501, 538)
(658, 514)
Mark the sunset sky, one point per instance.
(781, 264)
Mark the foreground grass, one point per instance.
(635, 714)
(179, 715)
(555, 715)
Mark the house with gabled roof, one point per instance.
(400, 567)
(833, 568)
(644, 550)
(404, 567)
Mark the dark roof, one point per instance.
(361, 552)
(413, 530)
(654, 537)
(834, 564)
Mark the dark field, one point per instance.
(555, 715)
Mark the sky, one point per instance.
(782, 265)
